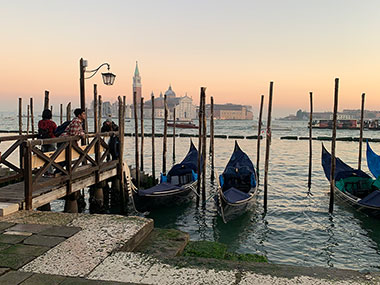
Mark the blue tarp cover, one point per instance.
(373, 161)
(187, 165)
(342, 170)
(372, 199)
(162, 187)
(234, 195)
(239, 166)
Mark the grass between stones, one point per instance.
(209, 249)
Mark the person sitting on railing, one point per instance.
(46, 129)
(75, 128)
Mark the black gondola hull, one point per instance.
(353, 202)
(155, 201)
(230, 211)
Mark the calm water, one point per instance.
(297, 228)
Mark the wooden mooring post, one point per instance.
(333, 143)
(174, 135)
(361, 132)
(68, 112)
(32, 115)
(121, 153)
(20, 116)
(100, 103)
(259, 140)
(199, 165)
(28, 120)
(212, 149)
(310, 141)
(60, 114)
(204, 136)
(164, 144)
(46, 100)
(267, 149)
(137, 163)
(153, 150)
(142, 134)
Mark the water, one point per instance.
(297, 228)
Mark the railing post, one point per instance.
(28, 183)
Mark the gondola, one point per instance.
(373, 162)
(353, 186)
(174, 188)
(237, 186)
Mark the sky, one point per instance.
(234, 48)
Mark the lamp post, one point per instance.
(108, 79)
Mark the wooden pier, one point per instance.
(77, 167)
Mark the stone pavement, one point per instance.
(56, 248)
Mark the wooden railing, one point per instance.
(71, 161)
(18, 144)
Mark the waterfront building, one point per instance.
(230, 112)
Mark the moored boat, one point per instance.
(237, 187)
(353, 186)
(183, 125)
(174, 188)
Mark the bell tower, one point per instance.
(137, 85)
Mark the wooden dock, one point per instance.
(78, 167)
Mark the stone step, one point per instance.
(8, 208)
(164, 243)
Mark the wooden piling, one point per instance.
(259, 140)
(68, 112)
(267, 149)
(204, 136)
(164, 144)
(199, 164)
(212, 150)
(361, 131)
(100, 103)
(46, 101)
(51, 109)
(137, 163)
(142, 134)
(31, 115)
(153, 150)
(333, 142)
(27, 120)
(86, 124)
(310, 140)
(61, 114)
(174, 135)
(121, 152)
(95, 109)
(20, 116)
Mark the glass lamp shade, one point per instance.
(108, 78)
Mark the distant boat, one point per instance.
(353, 186)
(175, 188)
(237, 186)
(183, 124)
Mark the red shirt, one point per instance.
(48, 125)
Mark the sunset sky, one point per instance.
(234, 48)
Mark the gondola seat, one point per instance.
(234, 195)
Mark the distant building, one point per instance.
(230, 112)
(137, 85)
(185, 110)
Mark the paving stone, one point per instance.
(43, 279)
(18, 233)
(30, 228)
(14, 277)
(4, 246)
(61, 231)
(14, 261)
(5, 225)
(23, 249)
(3, 270)
(13, 239)
(43, 240)
(82, 281)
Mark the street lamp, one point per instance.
(108, 79)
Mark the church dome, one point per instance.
(170, 93)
